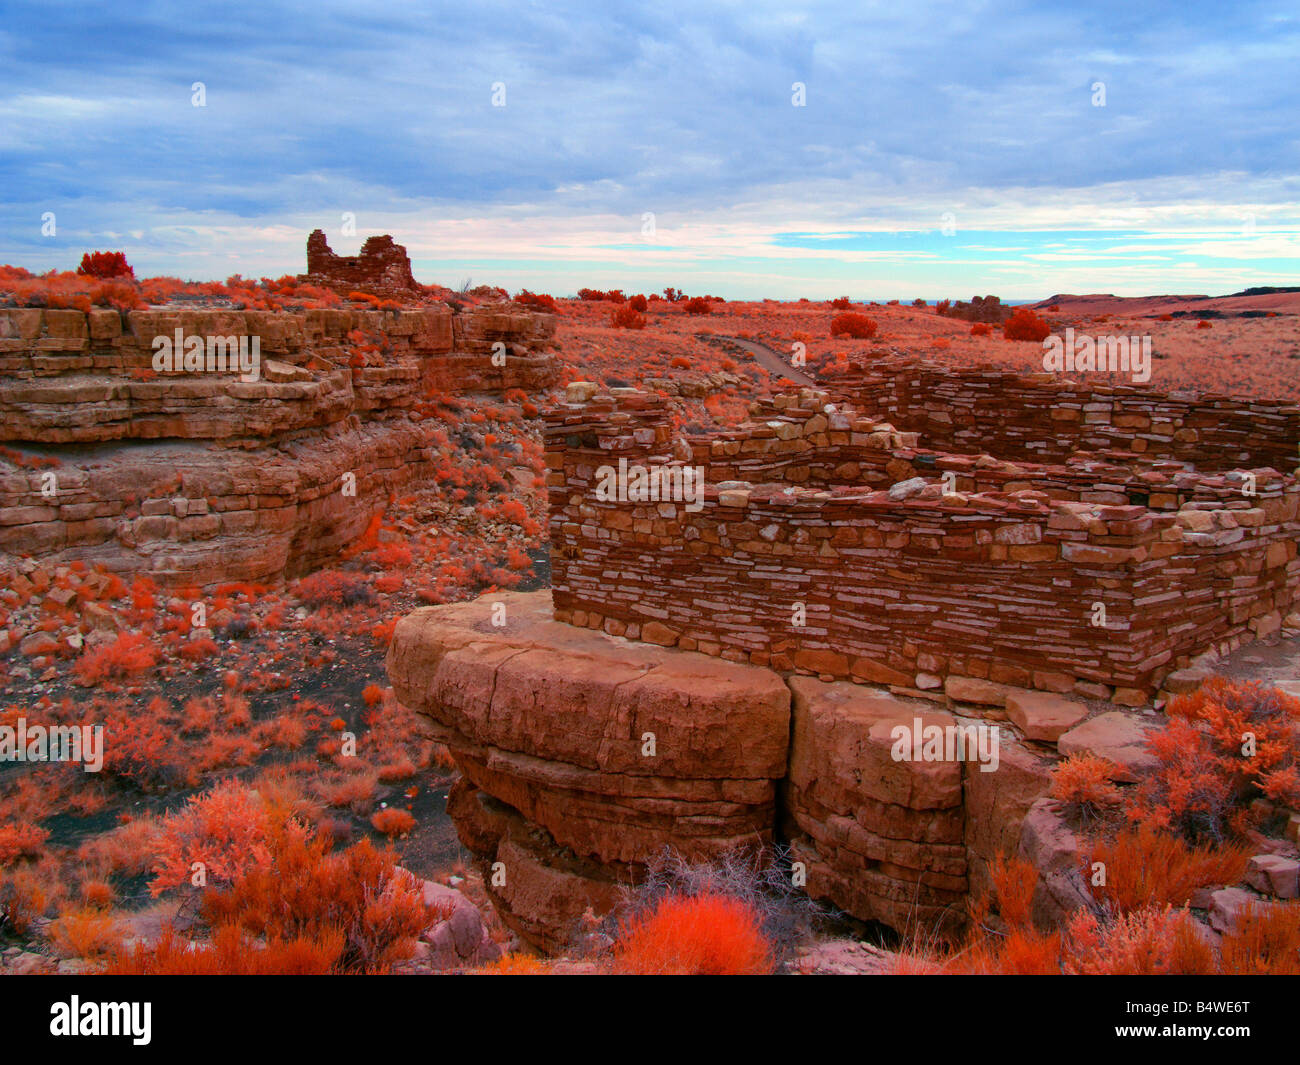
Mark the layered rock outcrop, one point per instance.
(206, 475)
(585, 755)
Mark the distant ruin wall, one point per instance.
(912, 586)
(1043, 418)
(382, 268)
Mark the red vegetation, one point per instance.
(21, 841)
(1226, 744)
(698, 305)
(852, 324)
(105, 264)
(685, 935)
(392, 822)
(627, 318)
(1204, 324)
(980, 329)
(537, 300)
(1024, 324)
(1085, 781)
(130, 654)
(638, 303)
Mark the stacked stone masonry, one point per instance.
(903, 576)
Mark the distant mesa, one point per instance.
(383, 268)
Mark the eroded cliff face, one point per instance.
(583, 755)
(227, 471)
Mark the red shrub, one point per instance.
(1204, 324)
(105, 264)
(852, 324)
(686, 935)
(537, 300)
(21, 841)
(842, 304)
(130, 654)
(1024, 324)
(392, 822)
(638, 303)
(627, 318)
(698, 305)
(1226, 744)
(980, 329)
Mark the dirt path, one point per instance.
(772, 361)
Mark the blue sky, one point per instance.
(943, 150)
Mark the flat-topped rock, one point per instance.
(1042, 715)
(1118, 737)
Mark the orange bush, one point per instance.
(1024, 324)
(1204, 324)
(706, 934)
(309, 892)
(638, 303)
(230, 953)
(1145, 867)
(130, 654)
(1084, 780)
(105, 264)
(1013, 883)
(1147, 942)
(627, 317)
(21, 841)
(392, 822)
(698, 305)
(1226, 744)
(1265, 942)
(226, 829)
(852, 324)
(980, 329)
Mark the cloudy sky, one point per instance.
(939, 150)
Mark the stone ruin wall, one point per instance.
(205, 478)
(382, 267)
(1043, 418)
(911, 586)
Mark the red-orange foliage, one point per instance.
(1084, 780)
(684, 935)
(21, 841)
(1148, 942)
(309, 892)
(1266, 942)
(1226, 744)
(1145, 867)
(225, 829)
(842, 304)
(334, 588)
(105, 264)
(980, 329)
(1013, 883)
(130, 654)
(1024, 324)
(1204, 324)
(698, 305)
(231, 952)
(537, 300)
(638, 303)
(392, 821)
(852, 324)
(626, 317)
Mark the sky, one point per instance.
(752, 149)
